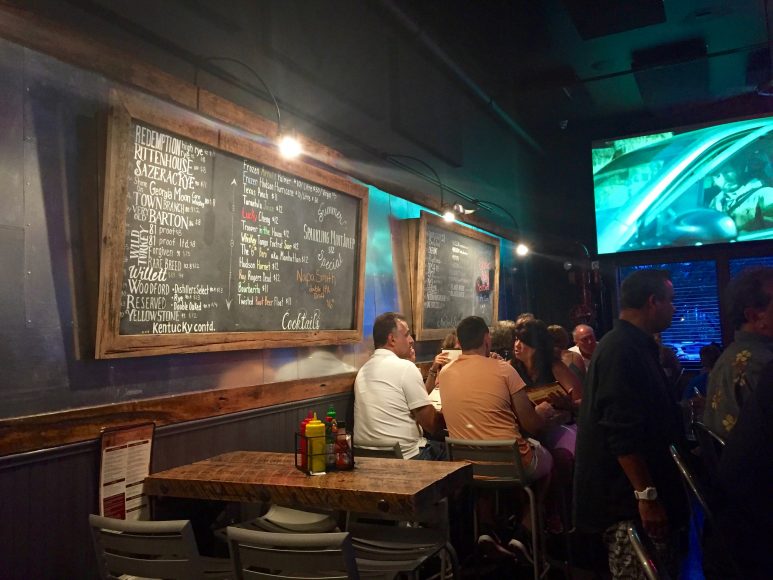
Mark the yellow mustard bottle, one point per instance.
(315, 435)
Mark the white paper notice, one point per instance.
(125, 465)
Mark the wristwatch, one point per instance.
(649, 494)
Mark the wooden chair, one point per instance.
(146, 549)
(497, 465)
(645, 556)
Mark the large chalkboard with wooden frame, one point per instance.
(454, 273)
(211, 241)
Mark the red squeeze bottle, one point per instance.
(302, 431)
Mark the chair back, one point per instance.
(711, 446)
(386, 451)
(645, 555)
(146, 549)
(494, 463)
(257, 554)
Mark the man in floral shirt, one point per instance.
(736, 374)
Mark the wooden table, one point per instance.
(395, 488)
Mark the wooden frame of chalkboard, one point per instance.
(279, 262)
(437, 311)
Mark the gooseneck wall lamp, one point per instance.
(288, 145)
(446, 211)
(521, 249)
(458, 210)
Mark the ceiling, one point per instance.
(606, 67)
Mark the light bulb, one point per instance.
(521, 249)
(449, 216)
(289, 147)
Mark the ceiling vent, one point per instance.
(595, 18)
(672, 74)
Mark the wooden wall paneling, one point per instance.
(15, 514)
(47, 495)
(52, 429)
(64, 492)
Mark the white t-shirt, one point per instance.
(576, 349)
(386, 390)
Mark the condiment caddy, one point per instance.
(321, 447)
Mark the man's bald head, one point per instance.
(585, 339)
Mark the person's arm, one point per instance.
(579, 363)
(529, 419)
(437, 364)
(568, 380)
(429, 419)
(653, 515)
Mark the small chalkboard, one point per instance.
(211, 241)
(456, 275)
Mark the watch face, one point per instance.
(649, 493)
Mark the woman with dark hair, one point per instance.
(536, 363)
(561, 342)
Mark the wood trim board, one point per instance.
(22, 434)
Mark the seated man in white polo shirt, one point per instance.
(390, 400)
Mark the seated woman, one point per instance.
(571, 359)
(450, 342)
(535, 362)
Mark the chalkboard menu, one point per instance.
(215, 243)
(456, 275)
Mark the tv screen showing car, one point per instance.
(686, 187)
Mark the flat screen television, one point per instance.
(686, 187)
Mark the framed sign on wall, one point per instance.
(212, 241)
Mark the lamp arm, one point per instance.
(483, 204)
(208, 59)
(397, 157)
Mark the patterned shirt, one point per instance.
(734, 378)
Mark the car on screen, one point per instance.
(687, 351)
(706, 186)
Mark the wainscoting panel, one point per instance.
(46, 496)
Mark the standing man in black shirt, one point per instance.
(628, 418)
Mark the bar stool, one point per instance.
(497, 465)
(645, 555)
(711, 446)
